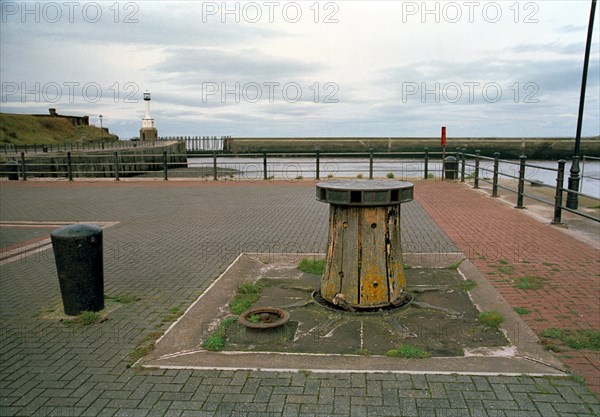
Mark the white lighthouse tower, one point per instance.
(148, 131)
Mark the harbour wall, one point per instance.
(533, 148)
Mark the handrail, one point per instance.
(121, 163)
(521, 178)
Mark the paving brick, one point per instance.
(312, 387)
(390, 397)
(547, 398)
(168, 387)
(546, 409)
(437, 390)
(517, 237)
(159, 409)
(502, 393)
(326, 395)
(433, 403)
(107, 412)
(524, 401)
(449, 378)
(456, 399)
(275, 382)
(276, 404)
(366, 401)
(342, 405)
(177, 396)
(408, 407)
(186, 405)
(288, 390)
(572, 408)
(500, 405)
(291, 410)
(227, 389)
(428, 412)
(479, 395)
(460, 386)
(251, 385)
(419, 382)
(358, 411)
(481, 383)
(452, 412)
(374, 388)
(263, 395)
(84, 373)
(131, 412)
(358, 380)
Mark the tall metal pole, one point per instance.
(572, 198)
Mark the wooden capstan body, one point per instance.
(364, 267)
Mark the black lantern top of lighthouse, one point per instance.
(147, 96)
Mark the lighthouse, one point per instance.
(148, 131)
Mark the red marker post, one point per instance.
(443, 150)
(443, 136)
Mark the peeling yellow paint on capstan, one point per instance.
(364, 257)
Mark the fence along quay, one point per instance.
(168, 159)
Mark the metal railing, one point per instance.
(200, 144)
(318, 165)
(295, 166)
(582, 174)
(8, 149)
(520, 167)
(257, 166)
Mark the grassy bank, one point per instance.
(21, 129)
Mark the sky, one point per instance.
(305, 68)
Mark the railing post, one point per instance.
(476, 180)
(265, 173)
(574, 179)
(521, 188)
(582, 173)
(370, 163)
(318, 165)
(23, 167)
(462, 166)
(426, 164)
(116, 166)
(495, 177)
(69, 167)
(560, 178)
(165, 166)
(215, 173)
(458, 160)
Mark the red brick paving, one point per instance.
(506, 244)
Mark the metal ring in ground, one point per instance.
(284, 316)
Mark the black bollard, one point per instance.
(12, 169)
(78, 254)
(451, 168)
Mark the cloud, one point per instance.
(195, 65)
(213, 78)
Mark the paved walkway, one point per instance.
(509, 246)
(171, 241)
